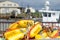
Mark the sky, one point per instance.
(38, 4)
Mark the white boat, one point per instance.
(49, 15)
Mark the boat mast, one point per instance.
(47, 5)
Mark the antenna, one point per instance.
(47, 5)
(28, 6)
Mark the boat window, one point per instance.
(49, 14)
(45, 14)
(3, 4)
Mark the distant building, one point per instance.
(8, 6)
(32, 10)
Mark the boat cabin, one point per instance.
(50, 16)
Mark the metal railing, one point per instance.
(4, 25)
(54, 25)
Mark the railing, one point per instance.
(51, 24)
(4, 25)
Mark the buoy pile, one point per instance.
(28, 29)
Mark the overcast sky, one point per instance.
(38, 4)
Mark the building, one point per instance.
(49, 15)
(32, 10)
(8, 7)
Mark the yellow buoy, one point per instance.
(35, 30)
(38, 36)
(44, 34)
(14, 34)
(21, 23)
(54, 34)
(13, 26)
(25, 23)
